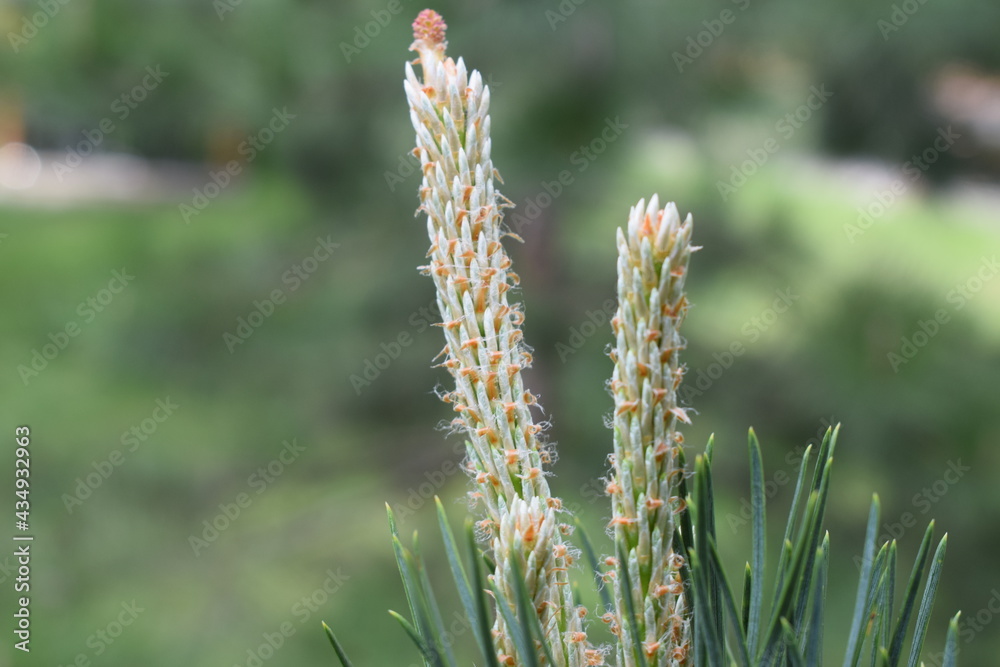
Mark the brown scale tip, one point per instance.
(429, 27)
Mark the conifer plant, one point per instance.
(665, 599)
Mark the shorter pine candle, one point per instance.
(653, 254)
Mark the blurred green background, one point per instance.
(841, 160)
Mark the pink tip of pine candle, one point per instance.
(429, 27)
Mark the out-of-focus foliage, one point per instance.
(231, 62)
(337, 171)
